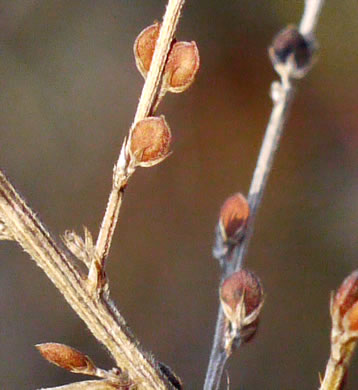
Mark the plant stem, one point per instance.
(97, 311)
(262, 170)
(310, 17)
(149, 92)
(337, 365)
(271, 141)
(218, 355)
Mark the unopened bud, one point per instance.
(241, 297)
(345, 303)
(144, 47)
(291, 53)
(182, 65)
(233, 218)
(241, 287)
(68, 358)
(150, 141)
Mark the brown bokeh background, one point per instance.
(68, 93)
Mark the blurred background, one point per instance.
(68, 93)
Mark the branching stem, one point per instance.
(98, 312)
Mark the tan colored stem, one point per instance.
(144, 108)
(337, 365)
(98, 312)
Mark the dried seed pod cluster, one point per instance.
(344, 306)
(182, 63)
(241, 296)
(241, 292)
(291, 53)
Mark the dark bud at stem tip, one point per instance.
(234, 215)
(346, 300)
(182, 66)
(150, 141)
(290, 47)
(66, 357)
(144, 47)
(242, 286)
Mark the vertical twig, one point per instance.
(122, 170)
(282, 95)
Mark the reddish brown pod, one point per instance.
(150, 141)
(242, 297)
(144, 47)
(233, 218)
(182, 66)
(68, 358)
(241, 288)
(182, 63)
(345, 303)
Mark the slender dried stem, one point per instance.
(97, 311)
(123, 170)
(282, 95)
(339, 360)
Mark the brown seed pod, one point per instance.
(68, 358)
(241, 287)
(233, 218)
(181, 67)
(345, 302)
(150, 141)
(289, 47)
(242, 298)
(144, 47)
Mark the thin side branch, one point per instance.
(98, 312)
(282, 96)
(123, 169)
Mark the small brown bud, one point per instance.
(68, 358)
(144, 47)
(241, 296)
(150, 141)
(345, 302)
(242, 286)
(291, 47)
(182, 66)
(234, 215)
